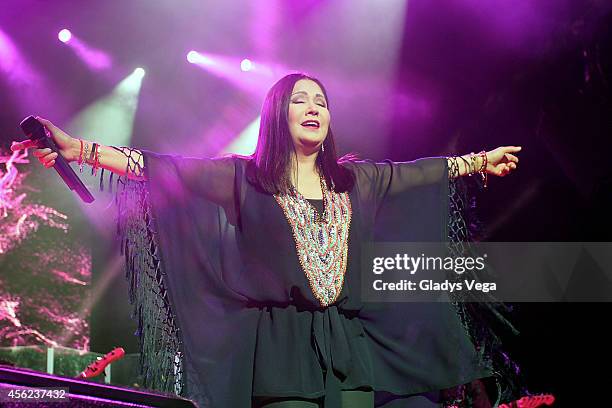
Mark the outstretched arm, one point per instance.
(120, 160)
(209, 178)
(378, 180)
(497, 162)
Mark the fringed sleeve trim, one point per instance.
(160, 344)
(480, 317)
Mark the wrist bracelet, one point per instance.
(92, 154)
(473, 160)
(483, 164)
(92, 157)
(85, 152)
(483, 168)
(96, 163)
(80, 160)
(467, 164)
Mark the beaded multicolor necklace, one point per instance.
(321, 240)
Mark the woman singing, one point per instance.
(245, 271)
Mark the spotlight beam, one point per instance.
(243, 73)
(110, 121)
(94, 58)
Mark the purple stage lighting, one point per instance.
(261, 74)
(64, 35)
(94, 58)
(246, 65)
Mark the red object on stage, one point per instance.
(97, 367)
(532, 401)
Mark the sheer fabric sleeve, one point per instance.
(170, 226)
(208, 178)
(377, 180)
(419, 201)
(415, 192)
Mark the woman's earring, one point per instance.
(322, 148)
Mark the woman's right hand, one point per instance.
(68, 146)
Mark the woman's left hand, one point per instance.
(501, 161)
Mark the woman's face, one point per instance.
(308, 116)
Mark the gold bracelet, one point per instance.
(483, 168)
(472, 170)
(483, 164)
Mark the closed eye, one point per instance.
(321, 104)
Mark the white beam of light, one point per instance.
(246, 141)
(110, 120)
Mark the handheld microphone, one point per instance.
(35, 130)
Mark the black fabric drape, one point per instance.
(247, 321)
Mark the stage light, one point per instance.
(139, 72)
(96, 59)
(246, 141)
(111, 117)
(261, 76)
(246, 65)
(198, 58)
(64, 35)
(192, 56)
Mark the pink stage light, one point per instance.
(94, 58)
(261, 75)
(64, 35)
(198, 58)
(27, 86)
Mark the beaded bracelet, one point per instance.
(96, 163)
(473, 163)
(467, 164)
(92, 154)
(80, 161)
(483, 166)
(85, 152)
(92, 157)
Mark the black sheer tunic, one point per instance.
(248, 322)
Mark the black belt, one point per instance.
(333, 345)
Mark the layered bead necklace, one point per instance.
(321, 240)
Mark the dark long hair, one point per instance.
(270, 166)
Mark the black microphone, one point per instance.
(35, 130)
